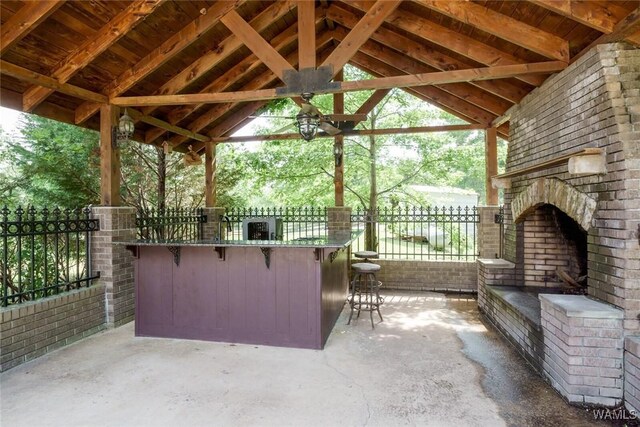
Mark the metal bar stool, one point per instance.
(365, 290)
(366, 255)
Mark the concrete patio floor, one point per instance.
(431, 362)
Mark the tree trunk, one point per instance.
(162, 179)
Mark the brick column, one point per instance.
(210, 228)
(115, 262)
(488, 232)
(338, 220)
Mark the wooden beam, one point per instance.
(92, 48)
(358, 132)
(508, 89)
(373, 18)
(254, 41)
(306, 34)
(465, 91)
(599, 16)
(450, 39)
(24, 21)
(338, 141)
(558, 161)
(32, 77)
(163, 53)
(372, 101)
(623, 29)
(503, 26)
(210, 174)
(442, 77)
(109, 157)
(138, 116)
(491, 164)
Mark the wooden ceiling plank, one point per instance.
(429, 56)
(306, 34)
(623, 29)
(32, 77)
(503, 26)
(256, 43)
(92, 48)
(450, 39)
(424, 79)
(160, 55)
(373, 18)
(24, 21)
(357, 132)
(465, 91)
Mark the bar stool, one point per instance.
(366, 255)
(365, 290)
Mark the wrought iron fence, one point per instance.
(297, 223)
(171, 224)
(44, 252)
(499, 219)
(431, 233)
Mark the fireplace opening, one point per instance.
(555, 251)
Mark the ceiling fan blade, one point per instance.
(347, 117)
(271, 117)
(306, 108)
(285, 128)
(329, 128)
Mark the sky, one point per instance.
(9, 119)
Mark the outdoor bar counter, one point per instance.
(281, 293)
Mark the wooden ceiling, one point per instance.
(62, 59)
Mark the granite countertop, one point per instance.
(304, 242)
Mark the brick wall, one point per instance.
(632, 374)
(583, 342)
(488, 232)
(427, 275)
(595, 102)
(115, 262)
(338, 220)
(35, 328)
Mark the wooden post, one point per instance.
(491, 162)
(109, 157)
(210, 174)
(338, 180)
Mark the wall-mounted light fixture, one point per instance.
(124, 131)
(337, 153)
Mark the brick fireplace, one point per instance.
(567, 292)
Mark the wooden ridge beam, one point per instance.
(258, 45)
(424, 79)
(92, 48)
(511, 90)
(450, 40)
(306, 34)
(34, 78)
(24, 21)
(359, 132)
(373, 18)
(465, 91)
(160, 55)
(503, 26)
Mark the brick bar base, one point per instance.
(33, 329)
(115, 263)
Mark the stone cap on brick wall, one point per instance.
(632, 345)
(496, 263)
(581, 306)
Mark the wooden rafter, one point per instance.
(157, 57)
(465, 91)
(373, 18)
(623, 29)
(359, 132)
(506, 89)
(258, 45)
(503, 26)
(598, 16)
(374, 99)
(306, 34)
(450, 39)
(92, 48)
(442, 77)
(24, 21)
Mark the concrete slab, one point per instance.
(410, 370)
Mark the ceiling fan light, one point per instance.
(307, 126)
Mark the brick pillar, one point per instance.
(338, 220)
(115, 262)
(210, 228)
(488, 232)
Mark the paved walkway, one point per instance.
(431, 362)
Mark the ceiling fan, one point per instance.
(309, 119)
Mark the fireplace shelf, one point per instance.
(588, 161)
